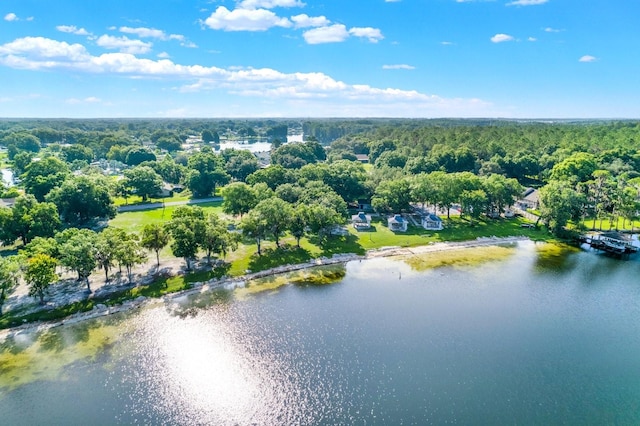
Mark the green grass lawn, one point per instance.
(607, 224)
(135, 221)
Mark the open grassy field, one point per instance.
(135, 221)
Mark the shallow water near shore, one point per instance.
(526, 333)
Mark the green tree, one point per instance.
(559, 204)
(473, 203)
(239, 163)
(44, 175)
(144, 181)
(39, 274)
(254, 226)
(130, 253)
(137, 155)
(155, 237)
(217, 238)
(299, 222)
(187, 228)
(276, 214)
(392, 196)
(9, 277)
(82, 198)
(205, 173)
(77, 253)
(239, 198)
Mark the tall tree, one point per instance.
(144, 181)
(276, 215)
(82, 198)
(44, 175)
(40, 274)
(155, 237)
(239, 198)
(77, 253)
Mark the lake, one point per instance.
(522, 334)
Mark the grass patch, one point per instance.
(135, 221)
(607, 224)
(463, 257)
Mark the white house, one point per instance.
(431, 222)
(361, 221)
(397, 223)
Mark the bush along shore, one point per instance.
(166, 289)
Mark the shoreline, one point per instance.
(237, 282)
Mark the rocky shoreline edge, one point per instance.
(238, 282)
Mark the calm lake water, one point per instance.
(536, 337)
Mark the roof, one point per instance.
(432, 217)
(396, 218)
(7, 202)
(361, 217)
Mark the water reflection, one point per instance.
(502, 343)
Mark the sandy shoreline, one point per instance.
(235, 282)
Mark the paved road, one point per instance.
(150, 206)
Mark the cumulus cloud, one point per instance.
(526, 2)
(37, 53)
(123, 44)
(552, 30)
(163, 55)
(143, 32)
(398, 67)
(532, 39)
(338, 33)
(501, 38)
(305, 21)
(588, 58)
(374, 35)
(332, 34)
(72, 29)
(269, 4)
(244, 20)
(10, 17)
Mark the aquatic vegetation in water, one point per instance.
(319, 275)
(462, 257)
(27, 358)
(554, 256)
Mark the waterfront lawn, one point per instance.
(607, 225)
(135, 221)
(456, 229)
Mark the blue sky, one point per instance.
(320, 58)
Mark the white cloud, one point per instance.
(163, 55)
(72, 29)
(10, 17)
(447, 43)
(526, 2)
(269, 4)
(398, 67)
(89, 100)
(331, 34)
(501, 38)
(532, 39)
(37, 53)
(374, 35)
(588, 58)
(305, 21)
(245, 20)
(123, 44)
(391, 1)
(552, 30)
(143, 32)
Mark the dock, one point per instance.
(615, 243)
